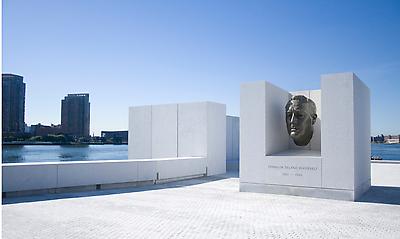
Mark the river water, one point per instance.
(54, 153)
(386, 151)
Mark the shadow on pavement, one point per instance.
(382, 194)
(175, 184)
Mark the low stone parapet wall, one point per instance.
(385, 173)
(52, 177)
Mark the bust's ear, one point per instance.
(314, 118)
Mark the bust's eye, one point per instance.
(300, 116)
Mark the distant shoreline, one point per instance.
(383, 143)
(22, 143)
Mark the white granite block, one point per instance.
(275, 125)
(362, 134)
(164, 135)
(192, 129)
(336, 162)
(216, 138)
(139, 145)
(252, 132)
(337, 146)
(229, 137)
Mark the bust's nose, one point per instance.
(293, 119)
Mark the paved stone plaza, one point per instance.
(209, 207)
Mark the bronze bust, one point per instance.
(300, 118)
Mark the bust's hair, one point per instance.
(304, 100)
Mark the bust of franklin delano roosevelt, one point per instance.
(300, 119)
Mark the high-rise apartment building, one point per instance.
(75, 115)
(13, 112)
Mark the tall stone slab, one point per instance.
(252, 133)
(345, 133)
(164, 136)
(139, 136)
(192, 129)
(232, 143)
(216, 138)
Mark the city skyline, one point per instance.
(141, 53)
(75, 113)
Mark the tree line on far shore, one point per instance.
(60, 139)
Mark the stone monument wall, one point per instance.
(336, 162)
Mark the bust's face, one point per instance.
(299, 122)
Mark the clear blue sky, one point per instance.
(127, 53)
